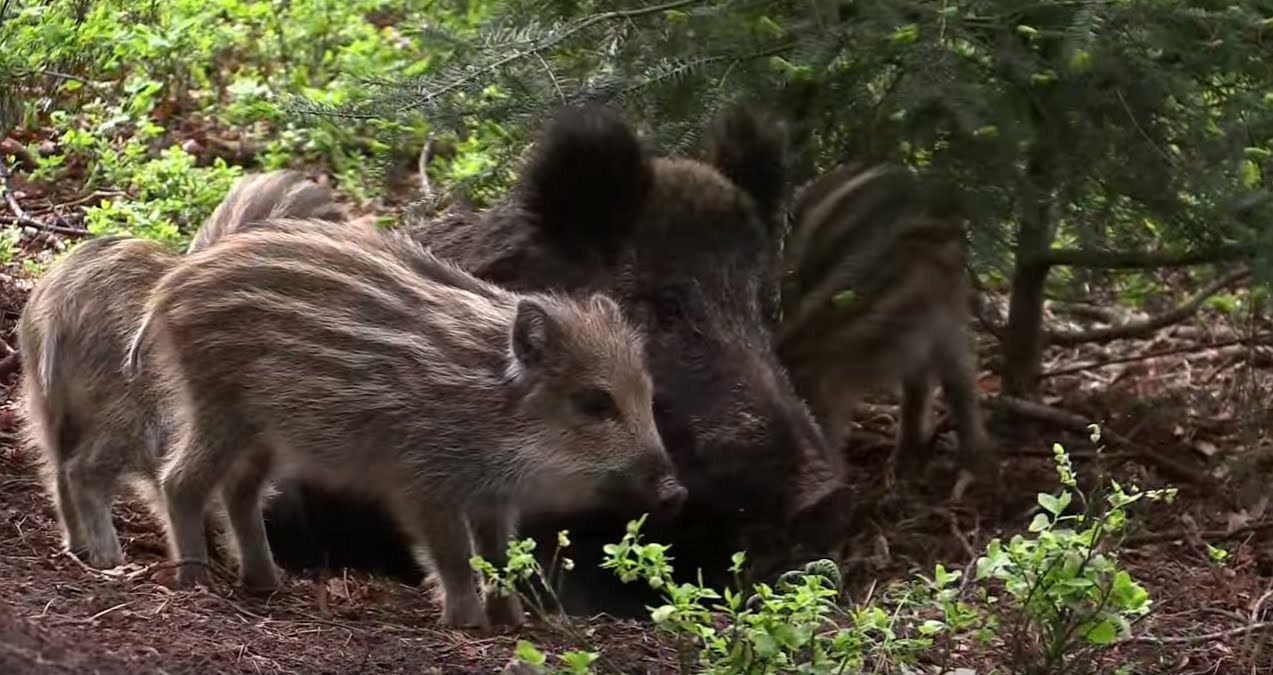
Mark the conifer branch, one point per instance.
(538, 46)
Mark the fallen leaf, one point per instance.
(337, 588)
(1207, 448)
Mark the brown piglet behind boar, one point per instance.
(357, 359)
(92, 426)
(876, 293)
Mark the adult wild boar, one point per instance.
(689, 248)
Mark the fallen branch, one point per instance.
(1089, 311)
(1207, 536)
(1139, 259)
(1140, 329)
(9, 146)
(1186, 349)
(20, 216)
(1077, 424)
(46, 227)
(1204, 637)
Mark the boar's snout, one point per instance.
(825, 521)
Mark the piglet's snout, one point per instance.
(671, 496)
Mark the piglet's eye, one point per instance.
(594, 403)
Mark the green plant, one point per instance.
(219, 81)
(1068, 595)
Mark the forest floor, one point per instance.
(1201, 405)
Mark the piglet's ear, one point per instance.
(586, 181)
(606, 305)
(534, 334)
(750, 149)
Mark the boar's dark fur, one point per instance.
(689, 249)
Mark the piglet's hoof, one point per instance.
(504, 610)
(261, 582)
(464, 615)
(182, 576)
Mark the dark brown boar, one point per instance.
(359, 361)
(688, 248)
(92, 425)
(875, 293)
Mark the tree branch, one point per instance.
(539, 46)
(1077, 257)
(1138, 329)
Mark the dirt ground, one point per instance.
(1202, 407)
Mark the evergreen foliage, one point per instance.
(1104, 113)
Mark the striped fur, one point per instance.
(356, 359)
(868, 231)
(92, 426)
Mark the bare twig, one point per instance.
(46, 227)
(1077, 424)
(80, 201)
(1254, 617)
(1139, 329)
(8, 191)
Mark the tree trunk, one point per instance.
(1023, 336)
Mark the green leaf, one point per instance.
(1251, 174)
(662, 614)
(1040, 523)
(529, 653)
(1053, 505)
(1080, 60)
(1126, 593)
(843, 298)
(578, 661)
(931, 627)
(1102, 633)
(906, 34)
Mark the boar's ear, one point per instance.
(586, 180)
(534, 331)
(750, 149)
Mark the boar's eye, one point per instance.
(595, 403)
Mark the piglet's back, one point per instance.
(311, 327)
